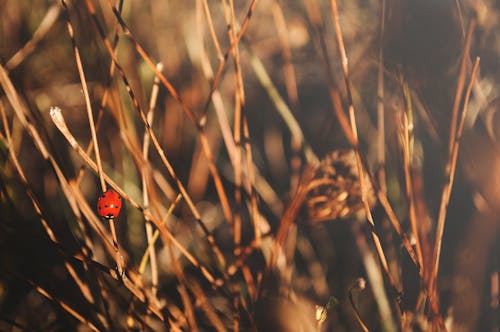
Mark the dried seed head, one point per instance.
(335, 190)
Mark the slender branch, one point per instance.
(447, 189)
(380, 104)
(359, 285)
(460, 86)
(382, 302)
(145, 175)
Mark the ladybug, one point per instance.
(109, 204)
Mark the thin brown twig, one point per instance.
(140, 293)
(238, 174)
(199, 123)
(104, 100)
(213, 35)
(203, 302)
(220, 111)
(69, 25)
(353, 127)
(426, 119)
(83, 258)
(238, 104)
(243, 129)
(240, 130)
(236, 314)
(380, 103)
(85, 289)
(314, 13)
(254, 209)
(182, 289)
(86, 95)
(154, 237)
(222, 63)
(204, 142)
(291, 89)
(248, 184)
(288, 217)
(66, 307)
(281, 106)
(407, 139)
(82, 286)
(58, 120)
(447, 189)
(385, 310)
(46, 24)
(132, 283)
(145, 174)
(359, 285)
(460, 86)
(460, 16)
(21, 111)
(236, 54)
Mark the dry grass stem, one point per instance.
(460, 86)
(450, 169)
(380, 104)
(359, 285)
(407, 146)
(41, 32)
(382, 301)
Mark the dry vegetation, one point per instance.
(216, 122)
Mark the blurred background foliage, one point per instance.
(421, 47)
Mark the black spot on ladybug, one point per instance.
(105, 205)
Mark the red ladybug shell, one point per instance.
(109, 204)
